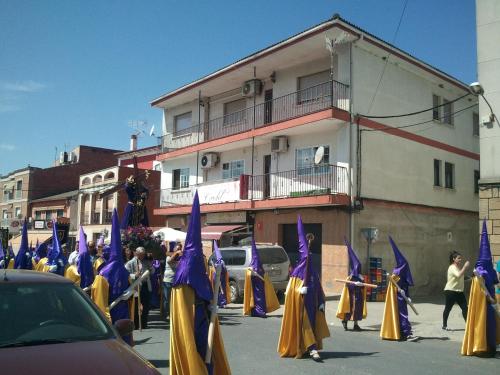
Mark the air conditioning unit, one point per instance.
(209, 160)
(251, 88)
(279, 144)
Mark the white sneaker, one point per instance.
(412, 338)
(315, 355)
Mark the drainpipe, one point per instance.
(351, 216)
(199, 129)
(253, 138)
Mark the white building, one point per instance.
(246, 137)
(488, 69)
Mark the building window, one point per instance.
(449, 175)
(476, 181)
(182, 124)
(234, 112)
(180, 178)
(447, 112)
(60, 213)
(19, 189)
(313, 86)
(38, 215)
(48, 215)
(437, 172)
(233, 169)
(304, 161)
(17, 213)
(5, 214)
(475, 123)
(436, 101)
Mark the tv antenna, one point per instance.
(142, 128)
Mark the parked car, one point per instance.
(50, 326)
(237, 259)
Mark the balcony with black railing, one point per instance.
(305, 182)
(331, 94)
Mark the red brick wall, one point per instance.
(335, 225)
(55, 180)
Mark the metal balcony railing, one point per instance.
(95, 218)
(85, 219)
(331, 94)
(107, 217)
(316, 180)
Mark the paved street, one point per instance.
(251, 346)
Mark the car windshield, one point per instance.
(36, 314)
(272, 255)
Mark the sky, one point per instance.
(78, 72)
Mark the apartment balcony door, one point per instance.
(268, 106)
(267, 176)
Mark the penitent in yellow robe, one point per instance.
(72, 274)
(474, 342)
(10, 266)
(99, 293)
(296, 332)
(184, 358)
(272, 303)
(390, 329)
(41, 265)
(98, 263)
(344, 306)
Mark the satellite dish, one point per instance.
(318, 156)
(152, 131)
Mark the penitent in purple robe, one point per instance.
(222, 298)
(258, 287)
(191, 271)
(484, 267)
(116, 274)
(84, 263)
(23, 257)
(402, 270)
(356, 293)
(306, 272)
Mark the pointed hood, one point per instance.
(191, 269)
(2, 254)
(300, 268)
(114, 270)
(218, 255)
(84, 263)
(40, 251)
(55, 251)
(354, 263)
(402, 268)
(484, 263)
(23, 258)
(256, 264)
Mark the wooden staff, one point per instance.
(254, 273)
(403, 294)
(356, 283)
(213, 315)
(139, 314)
(129, 291)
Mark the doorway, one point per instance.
(268, 106)
(267, 176)
(291, 243)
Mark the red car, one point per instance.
(49, 326)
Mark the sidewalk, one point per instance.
(427, 324)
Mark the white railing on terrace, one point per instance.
(317, 180)
(331, 94)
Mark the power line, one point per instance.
(418, 112)
(387, 57)
(420, 123)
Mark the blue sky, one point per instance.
(78, 72)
